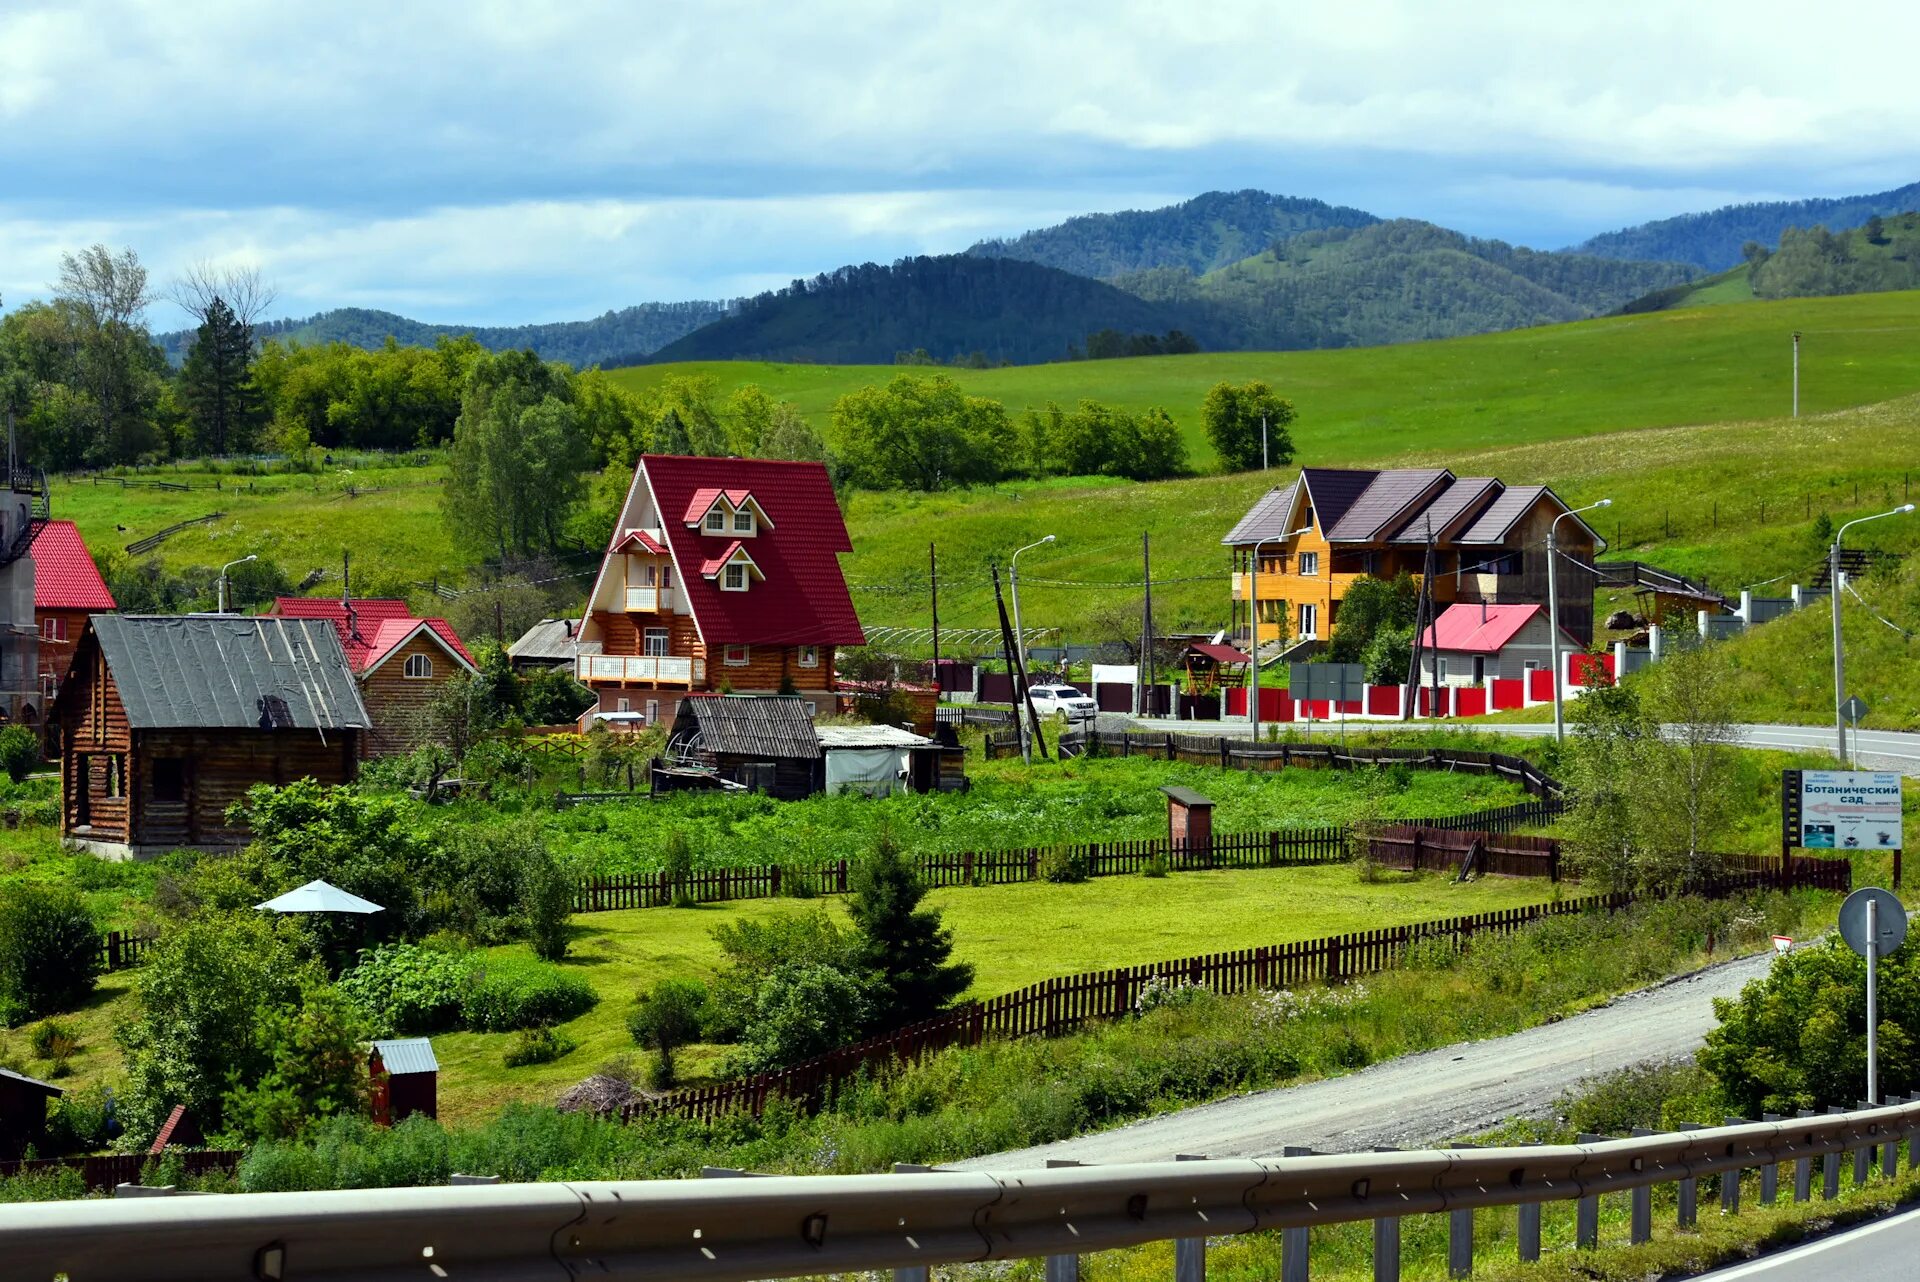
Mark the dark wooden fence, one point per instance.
(1055, 1006)
(1429, 848)
(104, 1171)
(119, 950)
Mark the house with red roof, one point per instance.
(67, 587)
(1471, 644)
(401, 662)
(722, 574)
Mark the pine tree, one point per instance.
(903, 945)
(222, 404)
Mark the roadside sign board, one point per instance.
(1334, 682)
(1841, 810)
(1890, 920)
(1782, 943)
(1855, 708)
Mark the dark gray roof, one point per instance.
(554, 639)
(1186, 796)
(204, 671)
(48, 1087)
(1501, 516)
(402, 1055)
(1458, 500)
(1388, 497)
(753, 725)
(1266, 519)
(1334, 490)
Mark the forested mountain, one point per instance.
(1714, 240)
(952, 306)
(1209, 231)
(615, 338)
(1392, 282)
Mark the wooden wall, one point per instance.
(220, 765)
(93, 731)
(398, 703)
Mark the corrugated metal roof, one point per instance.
(834, 738)
(1458, 501)
(1388, 497)
(757, 725)
(1267, 518)
(1334, 490)
(1481, 629)
(202, 671)
(553, 639)
(1502, 515)
(403, 1055)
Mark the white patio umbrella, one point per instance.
(319, 897)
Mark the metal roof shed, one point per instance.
(404, 1077)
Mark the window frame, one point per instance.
(53, 628)
(716, 522)
(729, 573)
(727, 653)
(1307, 621)
(176, 792)
(649, 636)
(1309, 565)
(809, 656)
(743, 522)
(425, 662)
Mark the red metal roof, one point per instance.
(640, 539)
(803, 598)
(1218, 653)
(64, 575)
(1478, 629)
(381, 624)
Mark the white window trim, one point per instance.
(727, 573)
(647, 638)
(809, 656)
(719, 511)
(1309, 564)
(425, 661)
(743, 522)
(745, 653)
(1308, 618)
(53, 628)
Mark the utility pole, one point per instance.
(1796, 373)
(1143, 671)
(933, 583)
(1263, 442)
(1006, 646)
(1553, 615)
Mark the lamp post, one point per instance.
(1839, 652)
(1020, 638)
(1553, 612)
(1253, 611)
(222, 596)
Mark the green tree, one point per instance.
(922, 433)
(1233, 417)
(49, 951)
(903, 946)
(1612, 742)
(800, 1011)
(313, 1066)
(19, 752)
(101, 299)
(668, 1017)
(1371, 606)
(1149, 446)
(748, 420)
(516, 467)
(790, 436)
(223, 410)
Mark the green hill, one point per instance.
(1714, 240)
(1882, 254)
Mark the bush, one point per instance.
(501, 882)
(54, 1040)
(800, 1012)
(49, 951)
(1064, 864)
(79, 1122)
(405, 988)
(19, 752)
(668, 1018)
(1156, 866)
(315, 1067)
(508, 994)
(540, 1045)
(677, 862)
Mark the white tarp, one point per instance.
(1119, 674)
(875, 771)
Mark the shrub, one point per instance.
(1063, 864)
(1156, 866)
(903, 946)
(800, 1012)
(757, 949)
(19, 752)
(405, 988)
(677, 862)
(80, 1121)
(541, 1045)
(503, 882)
(49, 951)
(314, 1067)
(57, 1041)
(509, 994)
(668, 1018)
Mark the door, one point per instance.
(1479, 669)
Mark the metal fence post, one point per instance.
(1386, 1240)
(1062, 1268)
(1586, 1215)
(1803, 1173)
(1529, 1228)
(1770, 1173)
(1863, 1156)
(912, 1273)
(1890, 1153)
(1294, 1242)
(1190, 1253)
(1830, 1169)
(1730, 1180)
(1689, 1191)
(1641, 1205)
(1460, 1237)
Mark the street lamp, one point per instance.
(1253, 610)
(1839, 654)
(1553, 612)
(223, 578)
(1020, 639)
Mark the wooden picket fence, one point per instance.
(106, 1170)
(1429, 848)
(119, 950)
(1055, 1006)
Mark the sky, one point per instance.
(495, 163)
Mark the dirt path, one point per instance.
(1421, 1099)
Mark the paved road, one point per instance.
(1426, 1098)
(1884, 1251)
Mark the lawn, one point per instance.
(1013, 935)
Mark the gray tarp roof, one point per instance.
(224, 671)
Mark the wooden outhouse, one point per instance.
(23, 1111)
(166, 721)
(404, 1078)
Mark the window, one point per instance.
(1309, 621)
(116, 782)
(654, 642)
(653, 712)
(623, 705)
(48, 688)
(743, 522)
(169, 779)
(813, 709)
(1479, 669)
(1309, 563)
(809, 656)
(53, 629)
(1440, 669)
(734, 579)
(716, 522)
(736, 656)
(419, 667)
(666, 576)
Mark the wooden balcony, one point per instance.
(649, 600)
(647, 669)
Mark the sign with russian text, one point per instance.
(1849, 810)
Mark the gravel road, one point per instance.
(1421, 1099)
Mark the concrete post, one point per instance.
(1656, 641)
(1746, 606)
(1798, 602)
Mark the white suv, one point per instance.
(1064, 702)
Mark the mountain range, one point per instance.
(1243, 270)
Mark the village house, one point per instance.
(1470, 645)
(722, 575)
(1331, 527)
(165, 721)
(402, 662)
(67, 587)
(23, 511)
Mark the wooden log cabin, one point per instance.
(723, 575)
(401, 661)
(166, 721)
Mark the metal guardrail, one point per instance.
(716, 1230)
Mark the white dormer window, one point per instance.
(734, 578)
(419, 667)
(743, 521)
(717, 521)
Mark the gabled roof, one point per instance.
(1502, 515)
(403, 1055)
(1219, 653)
(639, 540)
(45, 1088)
(554, 639)
(1458, 503)
(379, 626)
(228, 671)
(1388, 497)
(803, 597)
(1478, 629)
(756, 725)
(1267, 518)
(64, 575)
(737, 549)
(707, 495)
(1334, 490)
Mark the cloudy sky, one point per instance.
(495, 163)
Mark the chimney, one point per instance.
(1483, 611)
